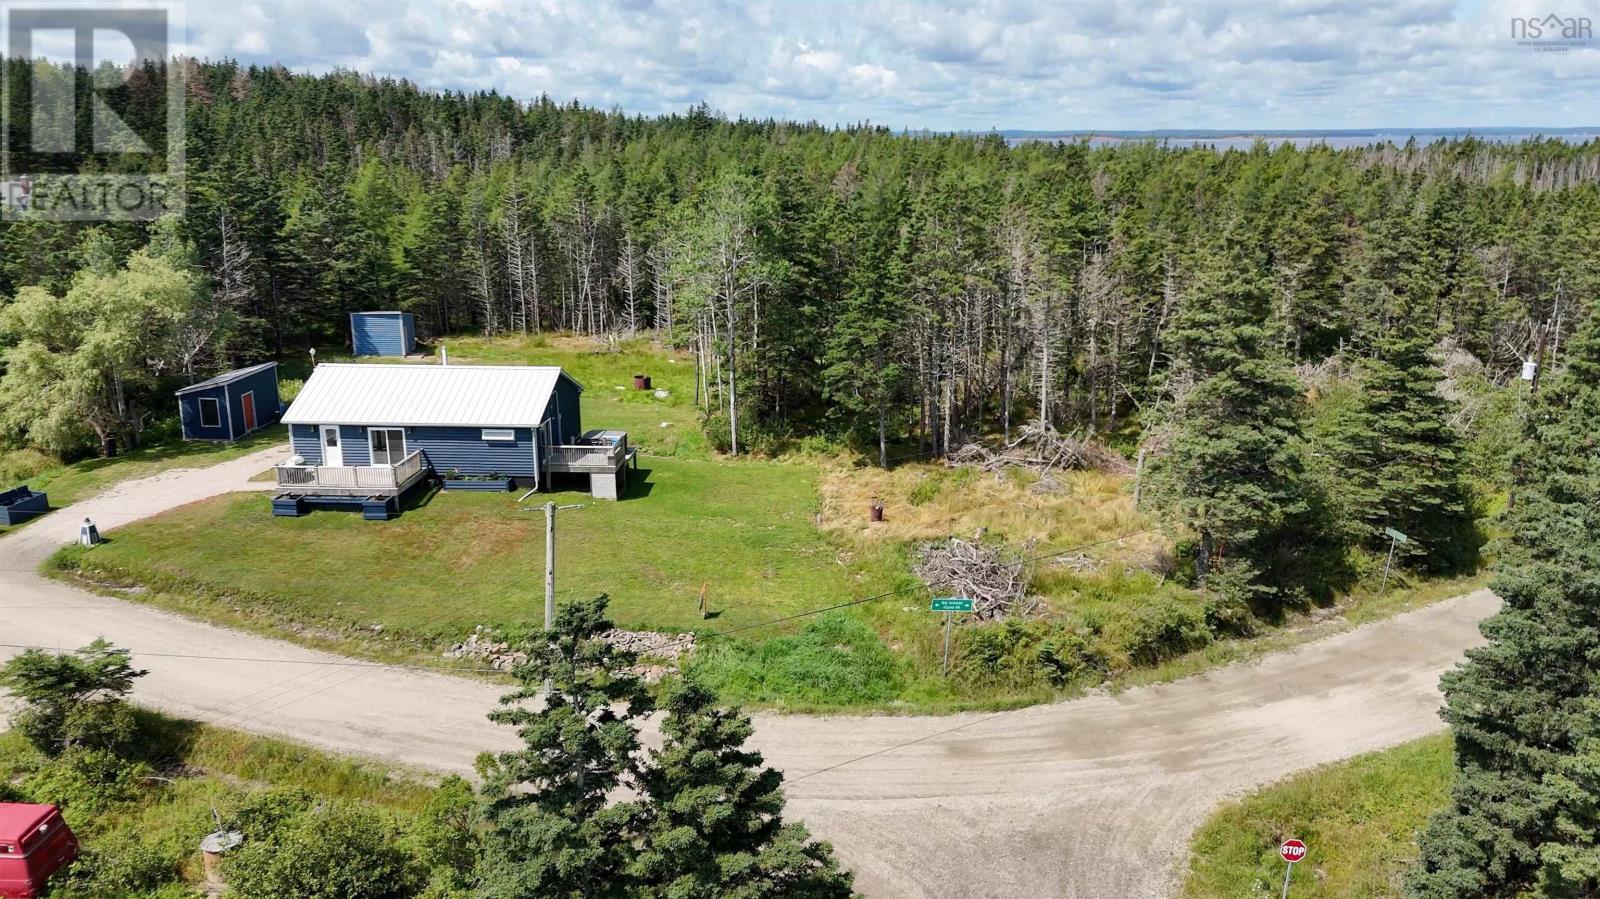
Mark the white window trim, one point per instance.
(216, 406)
(371, 452)
(499, 435)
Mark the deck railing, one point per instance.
(378, 478)
(588, 458)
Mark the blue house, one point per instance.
(383, 333)
(377, 430)
(230, 405)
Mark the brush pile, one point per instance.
(1041, 448)
(993, 577)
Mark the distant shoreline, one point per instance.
(1338, 138)
(1271, 134)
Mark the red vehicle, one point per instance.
(35, 843)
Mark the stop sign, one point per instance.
(1292, 851)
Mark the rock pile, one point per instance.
(483, 644)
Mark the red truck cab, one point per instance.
(35, 843)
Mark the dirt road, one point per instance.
(1091, 798)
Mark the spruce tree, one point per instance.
(550, 829)
(715, 827)
(1400, 458)
(1232, 471)
(1525, 708)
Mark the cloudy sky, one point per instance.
(1047, 64)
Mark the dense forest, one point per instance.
(904, 293)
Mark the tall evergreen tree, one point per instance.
(1233, 472)
(715, 826)
(551, 833)
(1525, 708)
(1399, 456)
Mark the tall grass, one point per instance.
(1360, 819)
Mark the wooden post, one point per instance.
(1388, 563)
(549, 565)
(949, 618)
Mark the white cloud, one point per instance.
(975, 64)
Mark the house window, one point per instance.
(505, 434)
(210, 412)
(388, 445)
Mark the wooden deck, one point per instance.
(352, 480)
(586, 459)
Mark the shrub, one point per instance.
(87, 780)
(259, 815)
(20, 465)
(443, 838)
(288, 389)
(836, 660)
(336, 851)
(1025, 655)
(1164, 629)
(120, 866)
(73, 699)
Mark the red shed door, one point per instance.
(249, 411)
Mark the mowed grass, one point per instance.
(743, 530)
(67, 484)
(1359, 819)
(667, 426)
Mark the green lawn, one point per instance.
(69, 483)
(667, 426)
(742, 529)
(1358, 818)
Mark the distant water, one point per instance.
(1244, 140)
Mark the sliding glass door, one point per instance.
(388, 445)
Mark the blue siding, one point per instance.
(230, 406)
(264, 384)
(382, 334)
(353, 440)
(189, 414)
(564, 405)
(444, 449)
(465, 450)
(307, 443)
(304, 440)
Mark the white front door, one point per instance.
(332, 454)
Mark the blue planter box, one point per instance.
(20, 504)
(500, 485)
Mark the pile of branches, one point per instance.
(1041, 448)
(996, 579)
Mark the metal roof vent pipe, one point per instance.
(444, 354)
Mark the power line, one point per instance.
(888, 749)
(344, 663)
(772, 622)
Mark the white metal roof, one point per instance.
(473, 396)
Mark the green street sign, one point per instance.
(1396, 536)
(950, 604)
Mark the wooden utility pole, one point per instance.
(549, 565)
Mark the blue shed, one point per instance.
(231, 404)
(383, 333)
